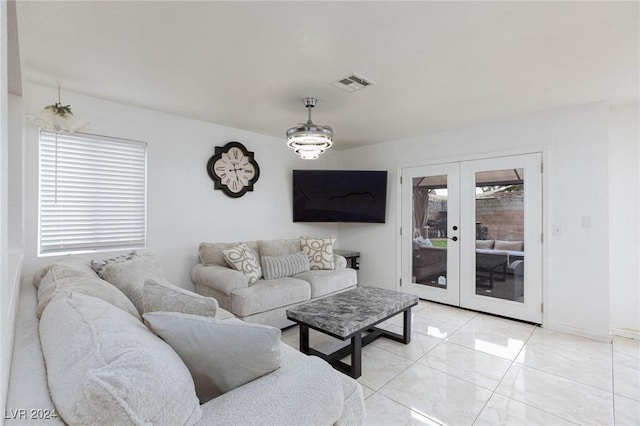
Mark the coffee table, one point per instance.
(348, 315)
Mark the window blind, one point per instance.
(92, 193)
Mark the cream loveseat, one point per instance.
(90, 359)
(266, 300)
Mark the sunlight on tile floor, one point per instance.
(467, 368)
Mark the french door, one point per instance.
(465, 229)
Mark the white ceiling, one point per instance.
(436, 65)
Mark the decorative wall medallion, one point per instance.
(233, 169)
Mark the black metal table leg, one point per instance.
(304, 338)
(406, 329)
(356, 355)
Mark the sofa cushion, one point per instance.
(484, 244)
(129, 276)
(320, 251)
(106, 367)
(162, 296)
(242, 259)
(266, 295)
(274, 267)
(326, 282)
(509, 245)
(211, 253)
(305, 390)
(63, 278)
(279, 247)
(221, 355)
(80, 263)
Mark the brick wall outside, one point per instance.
(501, 213)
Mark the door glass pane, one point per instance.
(500, 234)
(429, 246)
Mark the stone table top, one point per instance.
(345, 313)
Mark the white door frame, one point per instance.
(451, 294)
(543, 151)
(531, 308)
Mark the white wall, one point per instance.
(624, 211)
(183, 208)
(7, 323)
(576, 273)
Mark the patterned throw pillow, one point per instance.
(99, 266)
(242, 259)
(319, 251)
(275, 267)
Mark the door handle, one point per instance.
(453, 238)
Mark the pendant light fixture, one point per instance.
(57, 118)
(309, 140)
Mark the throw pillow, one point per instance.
(242, 259)
(421, 242)
(99, 265)
(221, 355)
(129, 276)
(319, 251)
(104, 367)
(274, 267)
(484, 244)
(160, 296)
(278, 247)
(509, 245)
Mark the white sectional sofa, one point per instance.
(266, 300)
(90, 359)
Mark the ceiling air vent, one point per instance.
(352, 82)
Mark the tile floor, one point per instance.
(467, 368)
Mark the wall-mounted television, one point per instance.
(339, 196)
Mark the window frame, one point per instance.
(137, 167)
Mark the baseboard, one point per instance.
(601, 337)
(626, 333)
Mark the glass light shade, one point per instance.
(309, 140)
(55, 118)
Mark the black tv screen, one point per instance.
(339, 196)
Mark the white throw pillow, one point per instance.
(242, 259)
(221, 355)
(274, 267)
(104, 367)
(162, 296)
(509, 245)
(484, 244)
(129, 276)
(319, 251)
